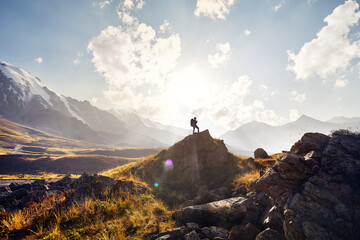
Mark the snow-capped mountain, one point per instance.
(26, 100)
(274, 139)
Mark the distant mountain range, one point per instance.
(26, 100)
(245, 139)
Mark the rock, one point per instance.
(310, 142)
(244, 211)
(240, 191)
(273, 218)
(128, 186)
(244, 232)
(206, 196)
(192, 236)
(261, 153)
(215, 233)
(210, 214)
(173, 234)
(270, 234)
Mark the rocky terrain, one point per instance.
(310, 193)
(17, 196)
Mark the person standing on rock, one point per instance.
(193, 123)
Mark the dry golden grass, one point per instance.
(40, 175)
(246, 179)
(122, 216)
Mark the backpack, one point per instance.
(192, 122)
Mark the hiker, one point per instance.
(193, 123)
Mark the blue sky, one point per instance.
(228, 62)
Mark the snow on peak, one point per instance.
(29, 84)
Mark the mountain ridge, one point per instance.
(28, 101)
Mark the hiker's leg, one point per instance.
(197, 128)
(193, 129)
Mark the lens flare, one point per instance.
(156, 184)
(168, 163)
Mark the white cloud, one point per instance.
(340, 83)
(331, 51)
(94, 100)
(39, 60)
(76, 61)
(165, 27)
(258, 104)
(247, 32)
(213, 8)
(133, 59)
(221, 56)
(298, 97)
(104, 3)
(128, 4)
(294, 115)
(269, 116)
(278, 6)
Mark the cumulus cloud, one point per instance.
(221, 56)
(134, 59)
(293, 115)
(340, 83)
(331, 51)
(213, 8)
(298, 97)
(247, 32)
(269, 116)
(76, 61)
(39, 60)
(258, 104)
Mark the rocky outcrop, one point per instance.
(261, 153)
(18, 196)
(310, 193)
(195, 162)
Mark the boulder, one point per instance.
(192, 236)
(244, 232)
(270, 234)
(210, 214)
(310, 142)
(261, 153)
(215, 233)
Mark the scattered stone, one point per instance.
(261, 153)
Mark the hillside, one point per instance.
(192, 167)
(27, 150)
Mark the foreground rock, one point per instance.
(313, 192)
(17, 196)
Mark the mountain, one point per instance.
(26, 100)
(162, 133)
(274, 139)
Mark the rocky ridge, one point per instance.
(310, 193)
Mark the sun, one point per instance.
(191, 85)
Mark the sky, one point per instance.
(227, 62)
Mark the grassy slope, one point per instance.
(19, 145)
(121, 216)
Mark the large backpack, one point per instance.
(192, 122)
